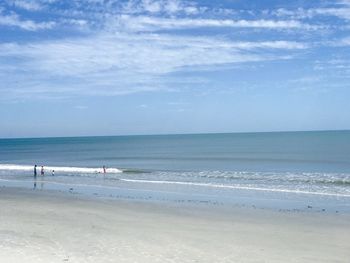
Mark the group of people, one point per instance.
(42, 171)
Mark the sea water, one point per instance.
(283, 170)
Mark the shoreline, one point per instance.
(47, 226)
(147, 191)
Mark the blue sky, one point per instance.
(109, 67)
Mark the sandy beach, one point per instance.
(54, 227)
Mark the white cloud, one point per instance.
(124, 49)
(142, 23)
(307, 80)
(270, 45)
(161, 6)
(30, 5)
(115, 64)
(341, 11)
(343, 42)
(14, 20)
(151, 6)
(144, 15)
(148, 53)
(337, 67)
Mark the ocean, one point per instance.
(278, 170)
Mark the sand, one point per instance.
(39, 226)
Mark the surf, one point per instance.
(63, 169)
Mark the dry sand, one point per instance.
(53, 227)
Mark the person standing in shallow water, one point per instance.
(34, 186)
(42, 171)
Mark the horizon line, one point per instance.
(171, 134)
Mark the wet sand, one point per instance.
(40, 226)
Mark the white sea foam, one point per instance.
(235, 187)
(285, 177)
(16, 167)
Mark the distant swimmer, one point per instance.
(53, 172)
(34, 170)
(42, 170)
(104, 169)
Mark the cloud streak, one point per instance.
(339, 9)
(116, 64)
(161, 6)
(30, 5)
(135, 53)
(142, 23)
(121, 47)
(13, 20)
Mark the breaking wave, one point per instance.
(68, 169)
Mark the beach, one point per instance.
(49, 226)
(255, 197)
(174, 131)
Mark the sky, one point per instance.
(120, 67)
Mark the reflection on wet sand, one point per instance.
(35, 183)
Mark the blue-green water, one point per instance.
(211, 167)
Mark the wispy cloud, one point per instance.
(343, 13)
(161, 6)
(157, 23)
(31, 5)
(136, 53)
(339, 9)
(117, 64)
(136, 45)
(14, 20)
(342, 42)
